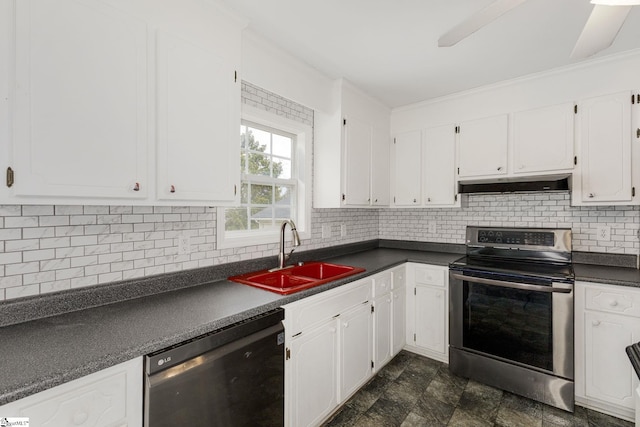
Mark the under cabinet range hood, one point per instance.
(516, 185)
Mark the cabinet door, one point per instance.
(439, 166)
(382, 330)
(430, 318)
(399, 318)
(107, 398)
(543, 139)
(482, 147)
(604, 126)
(314, 380)
(198, 123)
(609, 375)
(355, 349)
(406, 168)
(357, 164)
(380, 166)
(80, 117)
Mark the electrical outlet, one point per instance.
(326, 231)
(184, 245)
(603, 233)
(431, 227)
(343, 230)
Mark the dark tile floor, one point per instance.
(416, 391)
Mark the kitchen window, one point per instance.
(275, 180)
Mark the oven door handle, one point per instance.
(564, 288)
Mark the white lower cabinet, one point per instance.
(382, 319)
(328, 351)
(428, 311)
(607, 321)
(108, 398)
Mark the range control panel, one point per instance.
(516, 237)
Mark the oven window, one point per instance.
(509, 323)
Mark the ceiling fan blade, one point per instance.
(600, 30)
(477, 21)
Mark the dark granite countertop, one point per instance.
(58, 347)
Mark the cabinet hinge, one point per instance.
(458, 171)
(394, 199)
(633, 191)
(344, 122)
(575, 160)
(287, 354)
(235, 76)
(414, 337)
(638, 133)
(10, 177)
(455, 198)
(414, 291)
(373, 309)
(372, 365)
(394, 140)
(633, 98)
(638, 98)
(344, 197)
(235, 189)
(575, 109)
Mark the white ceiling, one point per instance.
(388, 48)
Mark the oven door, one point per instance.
(517, 319)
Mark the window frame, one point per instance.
(300, 171)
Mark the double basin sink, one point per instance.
(297, 278)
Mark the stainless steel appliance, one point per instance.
(511, 312)
(231, 377)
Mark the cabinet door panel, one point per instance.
(357, 146)
(314, 382)
(482, 147)
(382, 330)
(439, 165)
(81, 101)
(380, 167)
(543, 139)
(355, 349)
(198, 129)
(399, 319)
(430, 318)
(407, 158)
(605, 140)
(609, 376)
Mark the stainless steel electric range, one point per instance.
(511, 312)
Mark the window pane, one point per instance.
(235, 219)
(283, 195)
(244, 193)
(261, 194)
(282, 168)
(281, 146)
(259, 140)
(243, 137)
(259, 164)
(262, 218)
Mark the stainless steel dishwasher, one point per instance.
(231, 377)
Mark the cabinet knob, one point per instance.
(375, 201)
(173, 189)
(80, 418)
(595, 323)
(346, 324)
(369, 199)
(613, 303)
(499, 168)
(415, 200)
(136, 187)
(591, 195)
(428, 199)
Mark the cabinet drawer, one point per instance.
(318, 308)
(399, 277)
(106, 398)
(430, 276)
(382, 283)
(612, 299)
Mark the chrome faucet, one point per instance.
(295, 241)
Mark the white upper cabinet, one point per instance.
(543, 139)
(80, 113)
(121, 102)
(439, 166)
(198, 123)
(604, 161)
(351, 151)
(482, 147)
(357, 167)
(406, 159)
